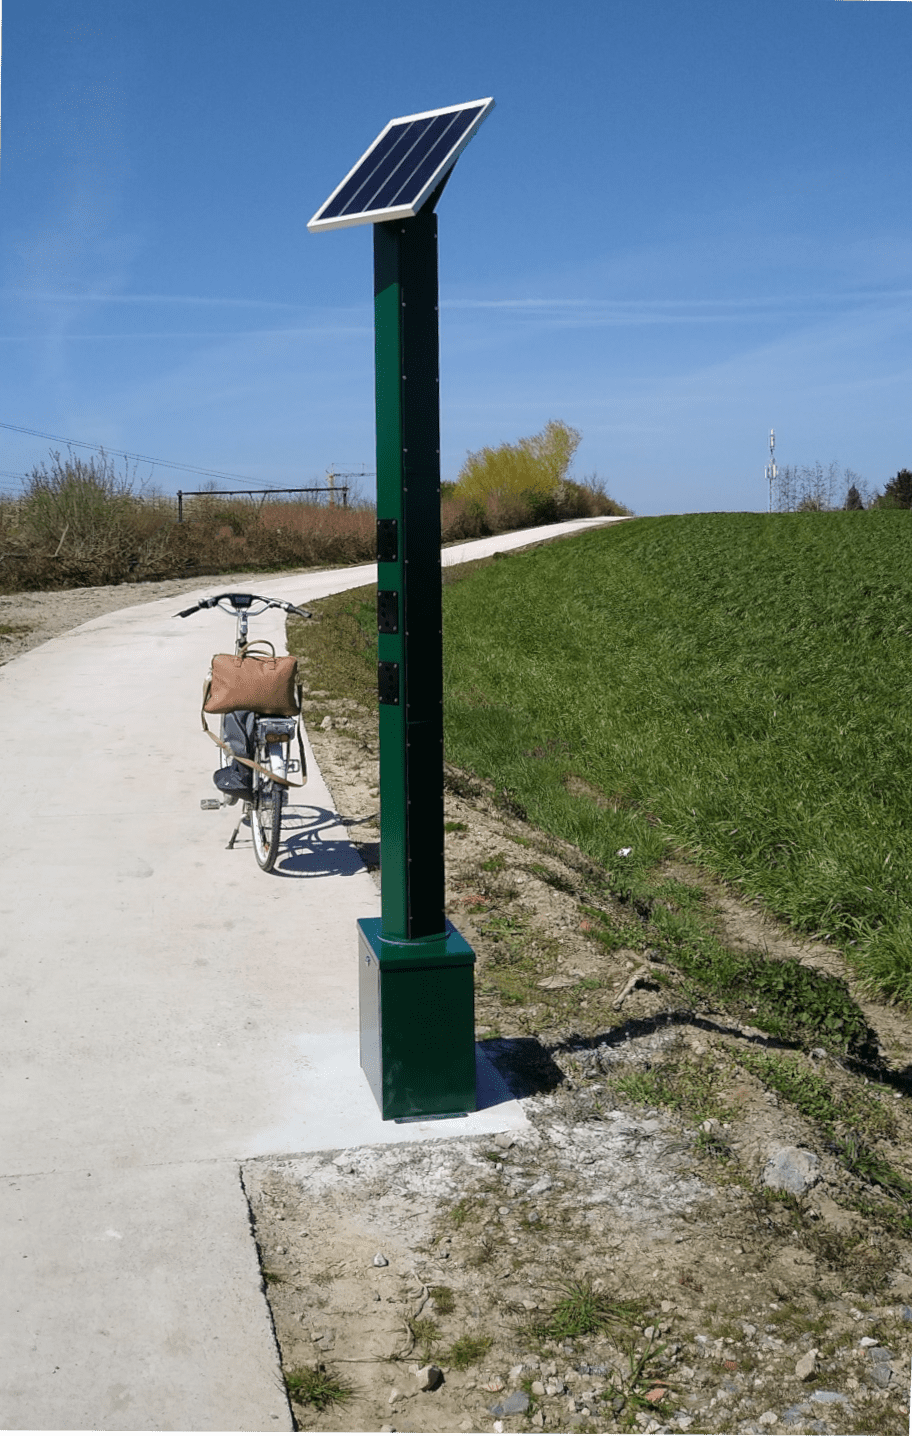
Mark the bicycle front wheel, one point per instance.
(266, 821)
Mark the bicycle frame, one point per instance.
(272, 738)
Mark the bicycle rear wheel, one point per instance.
(266, 823)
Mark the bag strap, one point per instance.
(247, 650)
(249, 762)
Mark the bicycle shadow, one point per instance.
(307, 852)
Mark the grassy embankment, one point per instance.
(736, 686)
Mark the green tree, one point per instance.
(898, 492)
(534, 469)
(853, 498)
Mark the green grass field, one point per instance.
(737, 685)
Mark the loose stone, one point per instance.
(792, 1169)
(514, 1405)
(429, 1378)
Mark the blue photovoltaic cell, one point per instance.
(378, 165)
(390, 184)
(396, 170)
(430, 160)
(399, 166)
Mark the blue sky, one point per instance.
(682, 224)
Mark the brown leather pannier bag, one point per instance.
(253, 680)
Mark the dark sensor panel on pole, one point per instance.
(407, 162)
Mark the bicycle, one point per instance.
(269, 740)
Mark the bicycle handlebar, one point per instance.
(242, 603)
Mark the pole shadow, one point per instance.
(510, 1068)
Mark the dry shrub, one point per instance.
(80, 524)
(460, 519)
(222, 536)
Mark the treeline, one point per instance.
(815, 489)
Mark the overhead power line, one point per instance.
(124, 454)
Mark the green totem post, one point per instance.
(416, 984)
(416, 990)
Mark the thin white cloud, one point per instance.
(74, 297)
(682, 311)
(325, 331)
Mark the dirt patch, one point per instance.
(591, 1273)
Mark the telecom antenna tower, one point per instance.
(771, 470)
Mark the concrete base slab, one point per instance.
(336, 1107)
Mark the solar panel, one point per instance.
(403, 167)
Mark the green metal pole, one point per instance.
(416, 971)
(410, 641)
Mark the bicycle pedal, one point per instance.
(209, 803)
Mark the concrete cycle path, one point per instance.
(169, 1012)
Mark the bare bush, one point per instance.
(594, 501)
(81, 522)
(239, 533)
(815, 489)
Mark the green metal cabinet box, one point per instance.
(417, 1002)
